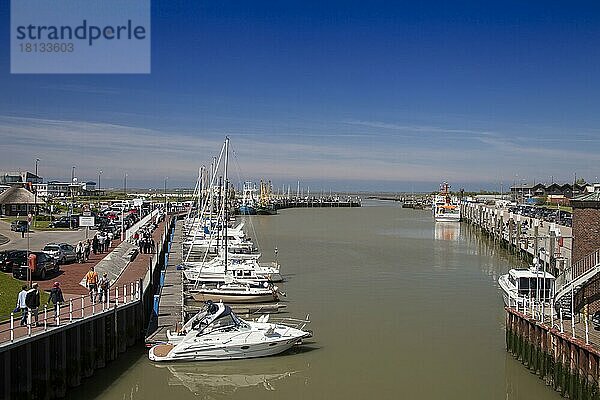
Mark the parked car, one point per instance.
(62, 252)
(45, 265)
(11, 258)
(65, 222)
(19, 226)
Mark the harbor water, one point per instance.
(401, 307)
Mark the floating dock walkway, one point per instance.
(168, 302)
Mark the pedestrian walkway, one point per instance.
(125, 277)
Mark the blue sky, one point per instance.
(347, 95)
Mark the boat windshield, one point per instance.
(529, 287)
(228, 320)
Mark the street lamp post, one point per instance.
(99, 174)
(35, 189)
(125, 184)
(166, 179)
(72, 196)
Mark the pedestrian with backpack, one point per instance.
(91, 280)
(32, 300)
(56, 297)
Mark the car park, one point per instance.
(11, 258)
(62, 252)
(44, 266)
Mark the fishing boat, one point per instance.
(522, 285)
(248, 204)
(445, 207)
(217, 333)
(266, 205)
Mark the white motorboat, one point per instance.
(445, 207)
(520, 286)
(216, 333)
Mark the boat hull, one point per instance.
(266, 211)
(247, 210)
(235, 298)
(222, 352)
(447, 218)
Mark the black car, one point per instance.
(11, 258)
(44, 266)
(65, 222)
(19, 226)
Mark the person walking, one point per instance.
(32, 300)
(86, 250)
(91, 280)
(22, 305)
(79, 251)
(56, 297)
(95, 244)
(101, 240)
(104, 285)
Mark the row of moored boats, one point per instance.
(222, 268)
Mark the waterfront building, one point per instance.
(526, 191)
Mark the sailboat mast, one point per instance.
(225, 208)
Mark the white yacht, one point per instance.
(235, 292)
(214, 271)
(216, 333)
(522, 285)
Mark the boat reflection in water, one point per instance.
(447, 231)
(212, 379)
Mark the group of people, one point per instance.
(98, 287)
(145, 241)
(82, 249)
(28, 302)
(102, 242)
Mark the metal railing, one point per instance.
(586, 263)
(72, 310)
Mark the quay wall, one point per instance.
(314, 203)
(551, 243)
(567, 364)
(48, 363)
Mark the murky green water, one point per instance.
(400, 308)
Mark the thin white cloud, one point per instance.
(148, 155)
(417, 128)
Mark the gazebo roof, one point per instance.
(19, 195)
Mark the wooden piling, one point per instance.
(566, 364)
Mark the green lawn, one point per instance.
(9, 289)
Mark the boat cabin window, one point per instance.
(529, 287)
